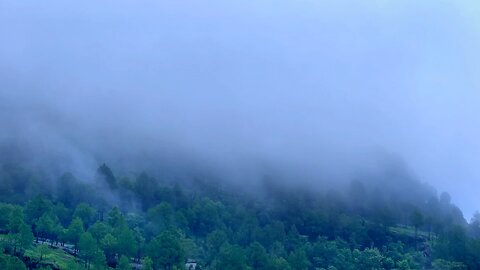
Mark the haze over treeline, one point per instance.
(306, 92)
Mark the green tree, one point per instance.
(166, 251)
(86, 213)
(293, 239)
(5, 214)
(205, 216)
(145, 187)
(278, 263)
(417, 220)
(74, 231)
(452, 245)
(99, 260)
(106, 174)
(278, 250)
(16, 220)
(36, 208)
(22, 239)
(147, 263)
(126, 242)
(63, 213)
(20, 234)
(298, 260)
(46, 226)
(62, 235)
(109, 245)
(43, 250)
(99, 230)
(368, 259)
(161, 217)
(88, 248)
(116, 218)
(123, 263)
(139, 243)
(257, 257)
(231, 257)
(214, 241)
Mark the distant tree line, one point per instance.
(118, 222)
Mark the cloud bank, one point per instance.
(311, 89)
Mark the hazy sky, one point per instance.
(313, 85)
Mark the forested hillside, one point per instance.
(240, 135)
(138, 221)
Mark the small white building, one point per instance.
(191, 264)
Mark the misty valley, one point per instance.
(138, 221)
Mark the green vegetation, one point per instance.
(159, 225)
(54, 257)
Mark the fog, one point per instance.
(315, 90)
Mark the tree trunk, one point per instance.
(416, 248)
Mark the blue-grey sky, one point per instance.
(310, 85)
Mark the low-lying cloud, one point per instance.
(310, 89)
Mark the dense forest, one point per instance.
(143, 222)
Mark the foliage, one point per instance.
(88, 247)
(11, 263)
(123, 263)
(215, 228)
(166, 251)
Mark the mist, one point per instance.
(314, 91)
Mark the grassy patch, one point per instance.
(54, 257)
(408, 231)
